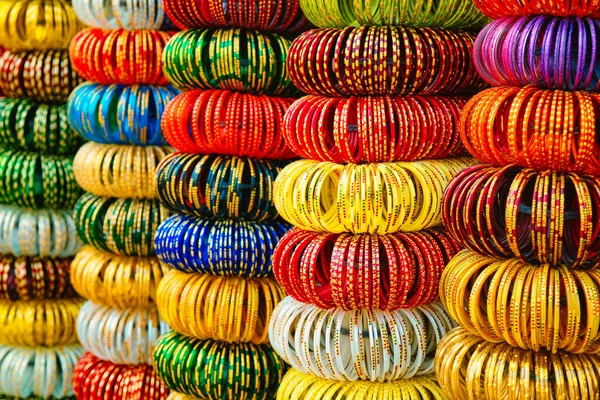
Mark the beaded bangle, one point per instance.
(119, 114)
(470, 368)
(97, 379)
(116, 14)
(378, 345)
(364, 271)
(118, 171)
(122, 226)
(561, 8)
(369, 198)
(233, 59)
(218, 186)
(228, 123)
(45, 76)
(213, 369)
(374, 129)
(236, 248)
(229, 309)
(127, 57)
(38, 372)
(116, 281)
(544, 217)
(383, 61)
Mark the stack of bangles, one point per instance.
(229, 309)
(214, 186)
(374, 129)
(371, 272)
(468, 367)
(562, 8)
(118, 170)
(116, 281)
(212, 369)
(230, 247)
(120, 336)
(383, 61)
(538, 217)
(121, 226)
(119, 114)
(377, 345)
(116, 14)
(227, 123)
(367, 198)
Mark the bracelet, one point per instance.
(218, 186)
(117, 14)
(379, 61)
(38, 373)
(119, 114)
(561, 8)
(237, 248)
(470, 368)
(180, 396)
(122, 226)
(379, 345)
(39, 323)
(96, 379)
(538, 217)
(120, 56)
(227, 123)
(374, 129)
(225, 308)
(371, 272)
(210, 369)
(367, 198)
(116, 281)
(233, 59)
(45, 76)
(118, 170)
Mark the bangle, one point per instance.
(237, 248)
(367, 198)
(371, 272)
(96, 379)
(379, 61)
(127, 57)
(218, 186)
(310, 340)
(118, 170)
(116, 281)
(45, 76)
(122, 226)
(470, 368)
(227, 123)
(116, 14)
(39, 323)
(542, 217)
(211, 369)
(225, 308)
(374, 129)
(119, 114)
(233, 59)
(180, 396)
(561, 8)
(38, 373)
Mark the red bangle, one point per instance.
(561, 8)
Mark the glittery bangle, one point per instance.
(116, 14)
(561, 8)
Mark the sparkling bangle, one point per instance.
(561, 8)
(116, 14)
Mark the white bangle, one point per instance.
(116, 14)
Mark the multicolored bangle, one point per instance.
(116, 14)
(561, 8)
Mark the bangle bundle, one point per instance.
(228, 123)
(125, 57)
(218, 186)
(218, 247)
(544, 217)
(120, 336)
(383, 61)
(374, 129)
(212, 369)
(377, 345)
(121, 226)
(233, 59)
(119, 114)
(116, 281)
(229, 309)
(116, 14)
(369, 198)
(562, 8)
(363, 271)
(118, 170)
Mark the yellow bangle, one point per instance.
(180, 396)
